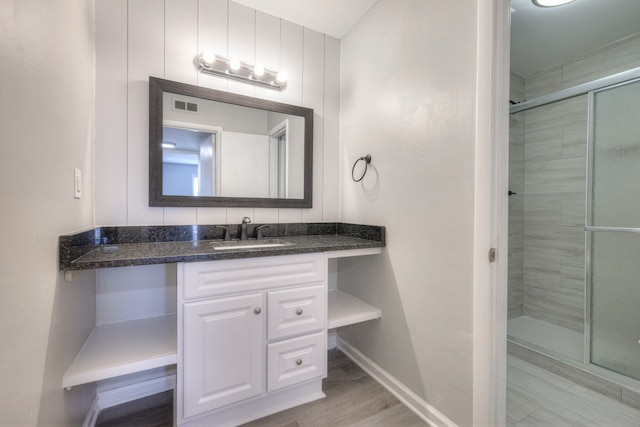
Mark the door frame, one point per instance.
(491, 216)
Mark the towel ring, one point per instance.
(367, 160)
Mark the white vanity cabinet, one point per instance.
(247, 337)
(252, 337)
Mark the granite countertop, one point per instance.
(127, 246)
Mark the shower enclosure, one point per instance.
(574, 227)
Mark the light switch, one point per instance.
(77, 183)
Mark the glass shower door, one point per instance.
(613, 225)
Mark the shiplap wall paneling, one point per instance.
(312, 97)
(267, 54)
(211, 216)
(235, 215)
(212, 36)
(180, 46)
(266, 215)
(267, 50)
(331, 134)
(291, 57)
(145, 58)
(111, 113)
(181, 40)
(145, 38)
(242, 42)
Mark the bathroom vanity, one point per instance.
(249, 337)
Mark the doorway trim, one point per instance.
(491, 216)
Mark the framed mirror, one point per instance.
(209, 148)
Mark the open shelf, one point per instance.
(345, 309)
(124, 348)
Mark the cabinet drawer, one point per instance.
(296, 360)
(213, 278)
(296, 311)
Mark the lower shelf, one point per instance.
(138, 345)
(124, 348)
(345, 309)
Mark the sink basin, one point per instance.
(250, 244)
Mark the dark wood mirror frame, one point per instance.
(157, 87)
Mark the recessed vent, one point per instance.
(180, 105)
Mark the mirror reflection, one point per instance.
(213, 148)
(217, 149)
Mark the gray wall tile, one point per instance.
(611, 59)
(544, 82)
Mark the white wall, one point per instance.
(249, 177)
(143, 38)
(46, 129)
(408, 98)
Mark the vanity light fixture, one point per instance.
(550, 3)
(168, 145)
(233, 68)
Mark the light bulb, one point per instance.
(258, 70)
(281, 77)
(234, 64)
(209, 57)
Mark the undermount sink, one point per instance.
(250, 244)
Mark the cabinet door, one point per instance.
(223, 352)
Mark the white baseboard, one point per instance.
(422, 409)
(92, 415)
(332, 339)
(118, 396)
(107, 399)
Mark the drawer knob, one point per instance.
(257, 310)
(299, 362)
(299, 311)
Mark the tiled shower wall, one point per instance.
(555, 147)
(516, 202)
(548, 161)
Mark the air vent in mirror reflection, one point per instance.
(190, 107)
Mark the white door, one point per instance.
(223, 352)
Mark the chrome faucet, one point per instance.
(243, 228)
(258, 231)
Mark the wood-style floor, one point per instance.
(353, 399)
(535, 398)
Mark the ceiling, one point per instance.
(541, 37)
(332, 17)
